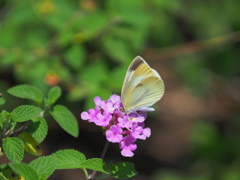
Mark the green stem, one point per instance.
(102, 156)
(5, 127)
(22, 128)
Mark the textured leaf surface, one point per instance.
(13, 149)
(123, 170)
(10, 174)
(30, 145)
(5, 115)
(38, 129)
(65, 119)
(69, 159)
(27, 92)
(1, 177)
(53, 95)
(95, 164)
(44, 166)
(2, 100)
(24, 170)
(25, 113)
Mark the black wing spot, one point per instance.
(136, 64)
(139, 85)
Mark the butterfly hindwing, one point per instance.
(146, 95)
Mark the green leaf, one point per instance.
(75, 56)
(3, 166)
(123, 170)
(1, 121)
(65, 119)
(64, 37)
(24, 170)
(2, 100)
(98, 67)
(1, 177)
(53, 95)
(25, 113)
(9, 174)
(123, 51)
(44, 166)
(27, 92)
(5, 115)
(13, 149)
(38, 129)
(95, 164)
(30, 145)
(69, 159)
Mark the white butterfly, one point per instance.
(142, 87)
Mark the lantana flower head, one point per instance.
(120, 127)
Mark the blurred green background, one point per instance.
(85, 47)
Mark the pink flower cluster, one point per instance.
(120, 127)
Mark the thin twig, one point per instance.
(19, 130)
(193, 47)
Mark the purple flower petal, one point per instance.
(114, 134)
(127, 152)
(137, 132)
(115, 98)
(84, 115)
(103, 119)
(98, 101)
(108, 107)
(92, 115)
(124, 122)
(147, 132)
(137, 117)
(121, 127)
(127, 145)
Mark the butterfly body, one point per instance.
(142, 87)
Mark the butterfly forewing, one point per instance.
(137, 71)
(142, 86)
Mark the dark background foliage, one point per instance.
(85, 47)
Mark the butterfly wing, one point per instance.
(142, 86)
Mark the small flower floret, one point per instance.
(120, 127)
